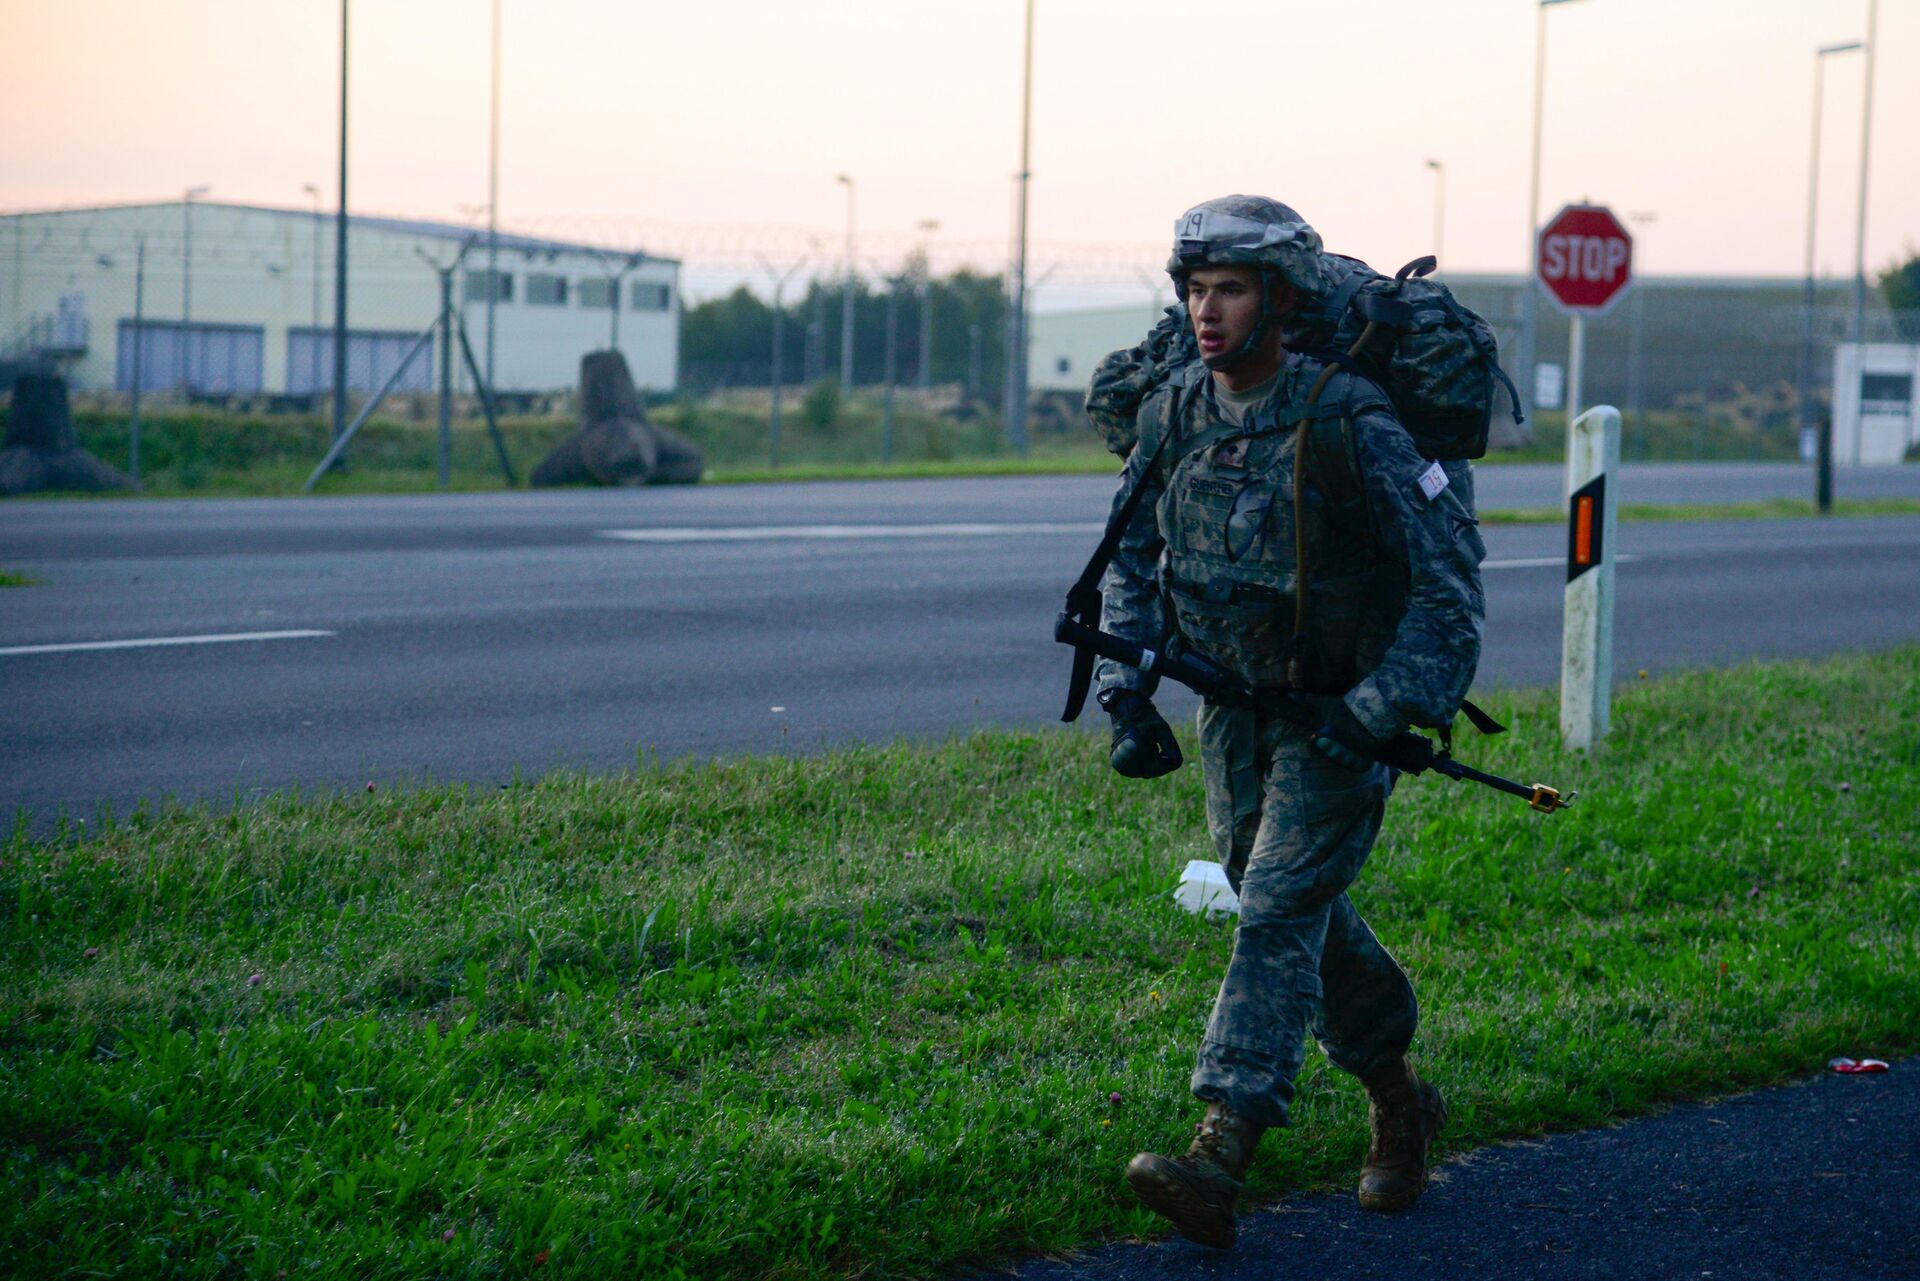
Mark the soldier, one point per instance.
(1208, 559)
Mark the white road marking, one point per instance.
(769, 533)
(222, 638)
(1538, 562)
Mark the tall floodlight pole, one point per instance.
(1860, 217)
(927, 227)
(493, 193)
(186, 285)
(340, 255)
(1439, 205)
(846, 299)
(1636, 341)
(1529, 285)
(774, 373)
(313, 341)
(1823, 450)
(1017, 373)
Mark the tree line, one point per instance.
(728, 342)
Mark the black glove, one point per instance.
(1343, 740)
(1143, 742)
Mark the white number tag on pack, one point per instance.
(1432, 481)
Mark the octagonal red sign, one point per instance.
(1584, 258)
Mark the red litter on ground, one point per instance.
(1856, 1065)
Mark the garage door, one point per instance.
(372, 356)
(209, 360)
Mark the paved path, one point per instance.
(466, 637)
(1818, 1181)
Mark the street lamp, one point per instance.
(313, 340)
(1016, 407)
(1636, 343)
(1860, 218)
(493, 195)
(846, 301)
(1529, 289)
(927, 227)
(1439, 204)
(186, 283)
(1823, 481)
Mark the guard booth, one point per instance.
(1876, 413)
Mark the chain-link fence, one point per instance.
(230, 309)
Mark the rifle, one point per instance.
(1408, 752)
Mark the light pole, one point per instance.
(340, 256)
(927, 227)
(1636, 345)
(1860, 217)
(780, 280)
(493, 194)
(1824, 446)
(1439, 205)
(846, 300)
(186, 285)
(1017, 364)
(1529, 287)
(313, 341)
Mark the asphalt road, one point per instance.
(470, 637)
(1806, 1182)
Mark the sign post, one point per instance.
(1586, 641)
(1585, 264)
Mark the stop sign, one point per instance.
(1584, 258)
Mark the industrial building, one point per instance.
(238, 300)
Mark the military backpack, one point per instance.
(1437, 361)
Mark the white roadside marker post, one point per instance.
(1586, 649)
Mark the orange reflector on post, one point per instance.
(1583, 531)
(1586, 527)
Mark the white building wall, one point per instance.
(1064, 346)
(256, 267)
(1880, 431)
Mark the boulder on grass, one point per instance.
(41, 451)
(616, 445)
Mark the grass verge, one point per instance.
(9, 578)
(862, 1014)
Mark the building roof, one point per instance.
(405, 226)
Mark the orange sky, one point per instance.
(621, 118)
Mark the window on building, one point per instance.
(546, 291)
(476, 289)
(648, 295)
(1063, 366)
(597, 293)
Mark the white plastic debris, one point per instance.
(1203, 888)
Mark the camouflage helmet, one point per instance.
(1248, 231)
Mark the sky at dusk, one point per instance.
(715, 131)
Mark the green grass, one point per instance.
(8, 578)
(212, 452)
(860, 1014)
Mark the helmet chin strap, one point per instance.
(1270, 316)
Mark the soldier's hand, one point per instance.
(1345, 741)
(1143, 742)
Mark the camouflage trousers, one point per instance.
(1293, 830)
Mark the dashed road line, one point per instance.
(150, 642)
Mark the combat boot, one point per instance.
(1196, 1192)
(1404, 1113)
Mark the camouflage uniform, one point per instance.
(1395, 626)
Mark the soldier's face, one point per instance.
(1225, 305)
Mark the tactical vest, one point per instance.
(1227, 516)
